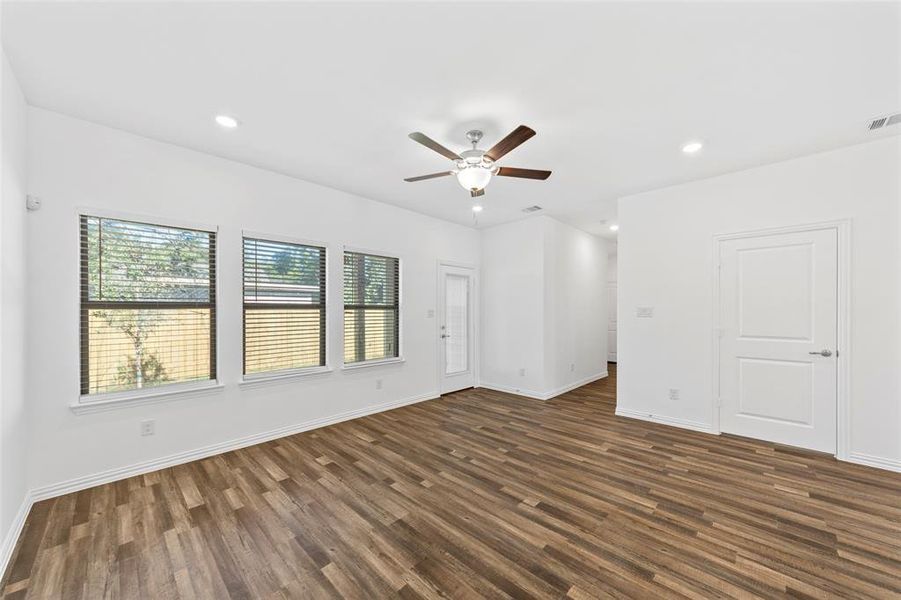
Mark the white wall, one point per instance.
(543, 307)
(512, 320)
(13, 418)
(576, 305)
(666, 257)
(73, 163)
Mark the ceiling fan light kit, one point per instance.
(474, 168)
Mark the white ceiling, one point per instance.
(328, 92)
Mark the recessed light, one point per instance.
(614, 227)
(476, 208)
(692, 147)
(227, 121)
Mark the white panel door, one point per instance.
(455, 340)
(611, 322)
(778, 313)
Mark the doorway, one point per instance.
(779, 333)
(611, 307)
(456, 335)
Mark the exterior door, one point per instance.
(778, 317)
(455, 340)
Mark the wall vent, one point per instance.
(884, 121)
(531, 209)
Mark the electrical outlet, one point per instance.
(378, 384)
(522, 372)
(148, 427)
(673, 394)
(572, 367)
(644, 312)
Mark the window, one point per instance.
(148, 305)
(371, 307)
(284, 306)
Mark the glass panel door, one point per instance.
(456, 326)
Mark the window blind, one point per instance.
(148, 305)
(284, 306)
(371, 307)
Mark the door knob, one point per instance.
(825, 352)
(444, 335)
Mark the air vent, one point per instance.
(531, 209)
(884, 121)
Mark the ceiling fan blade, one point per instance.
(433, 145)
(476, 193)
(429, 176)
(514, 139)
(524, 173)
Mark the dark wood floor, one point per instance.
(478, 494)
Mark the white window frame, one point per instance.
(289, 374)
(88, 403)
(401, 346)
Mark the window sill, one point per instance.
(282, 376)
(372, 363)
(104, 402)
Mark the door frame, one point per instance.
(476, 311)
(842, 228)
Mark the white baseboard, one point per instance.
(542, 395)
(879, 462)
(511, 390)
(15, 529)
(81, 483)
(675, 422)
(577, 384)
(889, 464)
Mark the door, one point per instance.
(611, 322)
(455, 340)
(778, 317)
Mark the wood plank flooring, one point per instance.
(478, 495)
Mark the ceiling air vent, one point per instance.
(884, 121)
(531, 209)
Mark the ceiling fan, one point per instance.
(474, 168)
